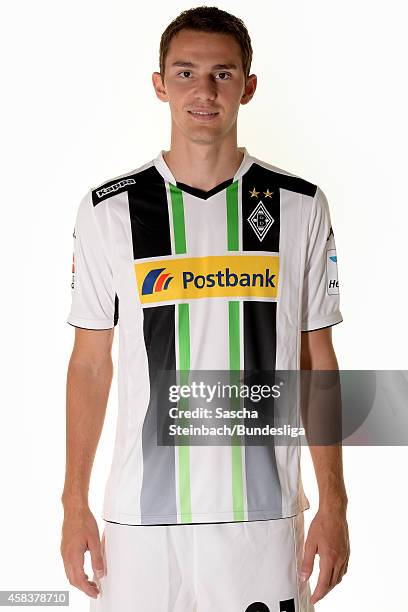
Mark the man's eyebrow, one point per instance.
(183, 64)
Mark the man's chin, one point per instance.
(204, 141)
(203, 135)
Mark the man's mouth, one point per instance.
(203, 113)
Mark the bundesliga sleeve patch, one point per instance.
(73, 264)
(331, 272)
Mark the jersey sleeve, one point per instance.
(93, 299)
(320, 297)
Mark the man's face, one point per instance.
(203, 73)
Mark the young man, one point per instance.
(189, 527)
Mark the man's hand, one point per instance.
(79, 534)
(329, 538)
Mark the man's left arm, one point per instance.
(328, 532)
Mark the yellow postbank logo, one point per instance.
(186, 278)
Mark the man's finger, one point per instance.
(323, 581)
(76, 574)
(95, 550)
(86, 586)
(308, 560)
(343, 569)
(336, 574)
(103, 552)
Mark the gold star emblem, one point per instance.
(254, 194)
(268, 194)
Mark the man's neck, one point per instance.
(203, 167)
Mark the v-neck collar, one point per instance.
(166, 173)
(204, 195)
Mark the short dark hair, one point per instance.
(208, 19)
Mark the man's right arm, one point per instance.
(89, 379)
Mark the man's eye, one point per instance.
(224, 75)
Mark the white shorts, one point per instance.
(210, 567)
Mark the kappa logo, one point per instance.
(260, 220)
(115, 187)
(156, 281)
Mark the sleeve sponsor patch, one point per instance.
(331, 272)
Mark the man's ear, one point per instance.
(159, 87)
(250, 87)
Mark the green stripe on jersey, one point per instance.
(184, 451)
(179, 233)
(234, 355)
(178, 219)
(236, 449)
(232, 216)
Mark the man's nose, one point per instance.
(206, 88)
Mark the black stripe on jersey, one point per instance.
(257, 182)
(113, 187)
(263, 487)
(259, 331)
(159, 336)
(281, 181)
(150, 229)
(158, 493)
(204, 195)
(259, 335)
(259, 316)
(116, 313)
(149, 215)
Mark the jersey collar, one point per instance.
(165, 171)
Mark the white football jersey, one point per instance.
(219, 280)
